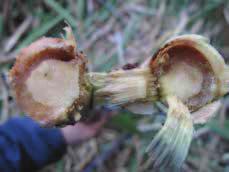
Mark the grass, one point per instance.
(39, 32)
(141, 27)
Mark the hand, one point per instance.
(82, 131)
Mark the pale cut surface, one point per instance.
(54, 83)
(182, 80)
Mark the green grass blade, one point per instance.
(62, 12)
(81, 9)
(221, 130)
(1, 26)
(40, 31)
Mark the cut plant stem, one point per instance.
(52, 85)
(124, 86)
(49, 80)
(187, 73)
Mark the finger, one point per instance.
(98, 125)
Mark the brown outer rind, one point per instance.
(28, 58)
(217, 62)
(197, 45)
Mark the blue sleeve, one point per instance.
(25, 146)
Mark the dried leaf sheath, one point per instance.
(170, 146)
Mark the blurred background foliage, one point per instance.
(113, 33)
